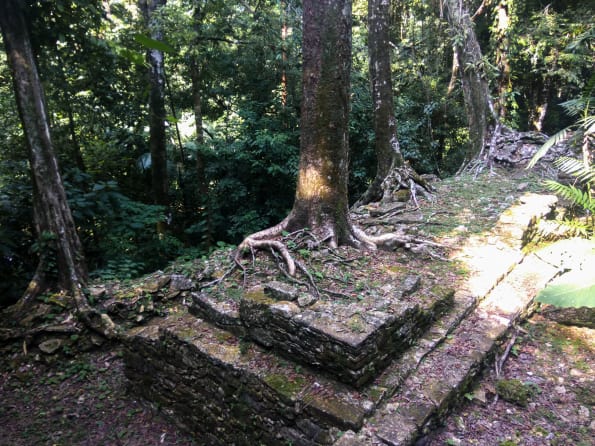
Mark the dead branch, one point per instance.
(8, 334)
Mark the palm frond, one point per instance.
(575, 107)
(553, 140)
(576, 168)
(574, 194)
(588, 123)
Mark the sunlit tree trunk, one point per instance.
(284, 35)
(61, 261)
(478, 102)
(321, 201)
(157, 137)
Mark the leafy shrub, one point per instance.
(119, 234)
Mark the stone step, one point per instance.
(351, 342)
(216, 383)
(445, 373)
(228, 392)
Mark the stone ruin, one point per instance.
(273, 364)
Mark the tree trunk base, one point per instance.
(403, 178)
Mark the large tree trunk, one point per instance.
(61, 262)
(321, 200)
(478, 102)
(157, 138)
(61, 254)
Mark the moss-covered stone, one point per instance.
(514, 391)
(289, 387)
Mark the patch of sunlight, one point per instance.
(312, 185)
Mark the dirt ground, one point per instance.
(83, 400)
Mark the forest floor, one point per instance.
(81, 398)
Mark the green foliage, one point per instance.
(574, 289)
(153, 44)
(578, 196)
(576, 286)
(119, 234)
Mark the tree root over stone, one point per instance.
(403, 178)
(268, 240)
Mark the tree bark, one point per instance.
(197, 103)
(388, 152)
(321, 199)
(502, 31)
(157, 137)
(61, 254)
(478, 102)
(392, 172)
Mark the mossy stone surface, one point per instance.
(514, 391)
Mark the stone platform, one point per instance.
(275, 367)
(350, 342)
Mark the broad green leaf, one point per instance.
(153, 44)
(574, 289)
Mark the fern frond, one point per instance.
(573, 194)
(576, 168)
(553, 140)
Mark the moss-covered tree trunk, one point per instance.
(157, 137)
(61, 261)
(321, 200)
(478, 102)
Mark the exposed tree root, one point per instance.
(90, 317)
(268, 240)
(398, 178)
(11, 334)
(513, 149)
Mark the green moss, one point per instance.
(515, 391)
(376, 393)
(396, 269)
(289, 387)
(259, 296)
(224, 336)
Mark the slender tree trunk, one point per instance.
(388, 153)
(61, 253)
(502, 26)
(157, 137)
(478, 102)
(197, 103)
(391, 170)
(284, 34)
